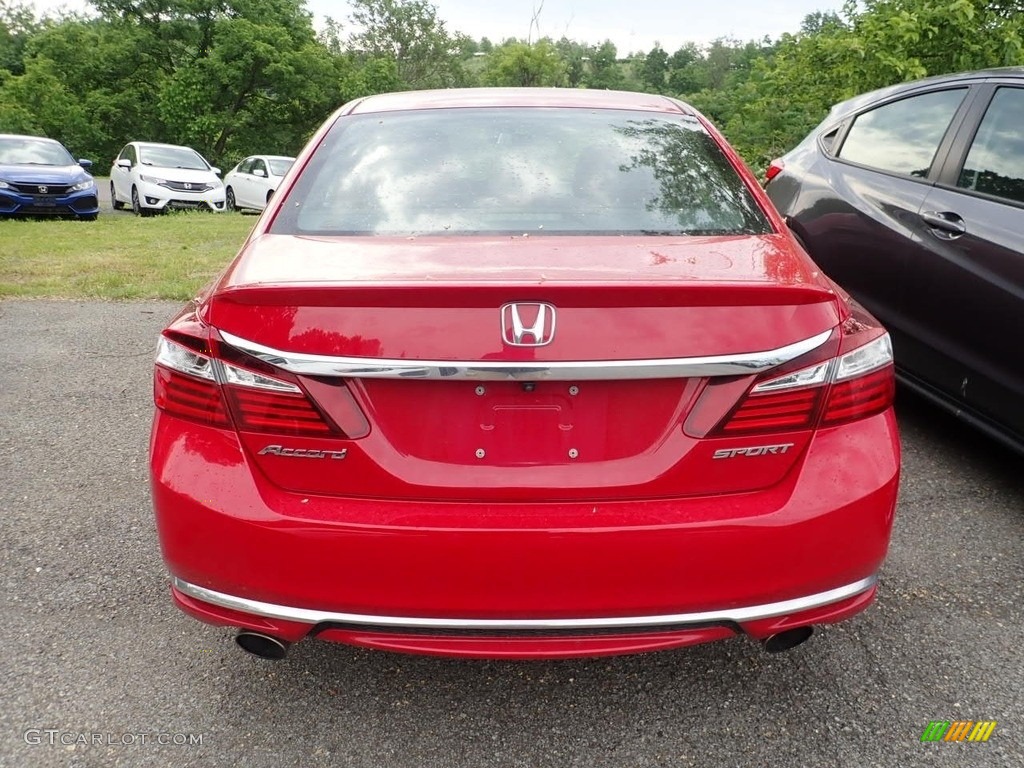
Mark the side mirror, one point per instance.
(260, 172)
(216, 171)
(124, 162)
(87, 164)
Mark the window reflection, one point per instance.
(995, 164)
(903, 136)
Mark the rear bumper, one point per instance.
(521, 580)
(524, 638)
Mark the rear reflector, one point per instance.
(775, 167)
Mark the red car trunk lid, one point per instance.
(439, 301)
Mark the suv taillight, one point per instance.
(775, 167)
(856, 383)
(205, 383)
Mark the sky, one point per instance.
(633, 25)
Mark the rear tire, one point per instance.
(116, 204)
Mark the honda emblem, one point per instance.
(528, 324)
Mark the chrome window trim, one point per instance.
(742, 364)
(723, 615)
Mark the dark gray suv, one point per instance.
(912, 198)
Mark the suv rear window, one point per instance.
(528, 170)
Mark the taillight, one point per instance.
(207, 387)
(853, 385)
(184, 385)
(775, 167)
(262, 403)
(865, 383)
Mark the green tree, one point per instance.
(516, 63)
(410, 33)
(686, 72)
(18, 24)
(575, 56)
(603, 70)
(654, 70)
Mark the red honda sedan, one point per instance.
(522, 373)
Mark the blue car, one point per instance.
(39, 176)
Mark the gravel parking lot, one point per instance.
(95, 652)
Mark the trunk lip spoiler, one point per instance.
(740, 364)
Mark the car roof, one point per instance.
(581, 98)
(855, 103)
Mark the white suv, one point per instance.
(157, 177)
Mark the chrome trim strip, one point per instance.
(736, 615)
(743, 364)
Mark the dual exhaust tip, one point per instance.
(273, 649)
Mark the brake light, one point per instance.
(775, 167)
(852, 385)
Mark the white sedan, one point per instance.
(158, 177)
(252, 182)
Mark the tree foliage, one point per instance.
(517, 63)
(234, 77)
(409, 33)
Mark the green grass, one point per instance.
(118, 257)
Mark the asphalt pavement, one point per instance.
(99, 669)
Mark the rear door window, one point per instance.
(995, 163)
(902, 136)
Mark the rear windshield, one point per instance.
(519, 171)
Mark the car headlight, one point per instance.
(83, 185)
(4, 185)
(151, 179)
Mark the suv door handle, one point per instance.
(949, 224)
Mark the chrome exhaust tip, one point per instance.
(787, 640)
(264, 646)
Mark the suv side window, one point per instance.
(995, 164)
(902, 136)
